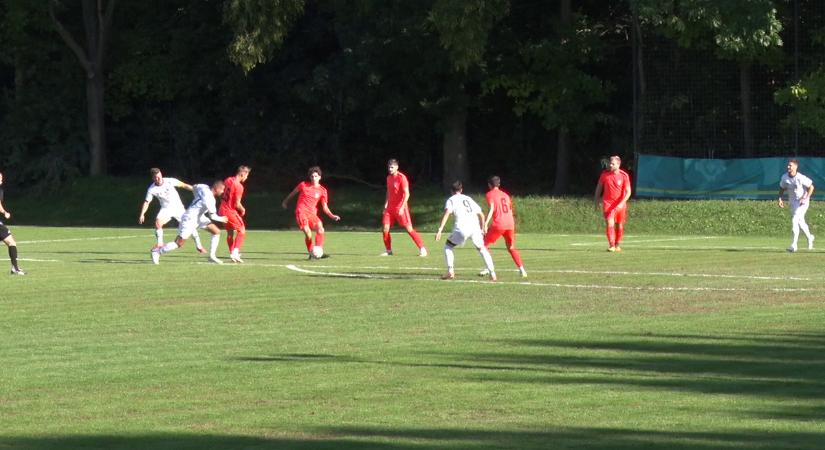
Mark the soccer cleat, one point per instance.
(618, 249)
(791, 249)
(155, 253)
(522, 272)
(311, 256)
(448, 276)
(201, 250)
(493, 276)
(236, 258)
(386, 253)
(215, 259)
(16, 271)
(611, 249)
(811, 243)
(157, 247)
(483, 273)
(422, 252)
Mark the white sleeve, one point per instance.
(449, 205)
(175, 182)
(148, 195)
(807, 182)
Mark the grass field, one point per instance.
(679, 342)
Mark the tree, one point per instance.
(744, 31)
(97, 20)
(546, 76)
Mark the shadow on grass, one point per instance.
(434, 438)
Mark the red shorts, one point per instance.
(307, 220)
(619, 215)
(391, 217)
(494, 233)
(234, 220)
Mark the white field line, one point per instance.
(38, 260)
(645, 241)
(101, 238)
(587, 272)
(558, 285)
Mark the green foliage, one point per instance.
(260, 27)
(549, 77)
(751, 36)
(807, 100)
(464, 27)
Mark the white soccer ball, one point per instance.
(317, 251)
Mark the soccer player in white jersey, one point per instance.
(202, 212)
(468, 225)
(170, 205)
(800, 188)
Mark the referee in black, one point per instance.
(5, 234)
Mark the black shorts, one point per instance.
(4, 232)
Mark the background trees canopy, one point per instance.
(453, 88)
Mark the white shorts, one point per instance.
(165, 214)
(459, 237)
(798, 210)
(188, 225)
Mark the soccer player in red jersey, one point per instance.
(503, 224)
(397, 209)
(233, 210)
(310, 195)
(614, 183)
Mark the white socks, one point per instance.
(159, 235)
(213, 245)
(488, 260)
(169, 247)
(449, 257)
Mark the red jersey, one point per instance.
(309, 196)
(396, 185)
(616, 186)
(502, 209)
(232, 193)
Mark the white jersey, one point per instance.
(465, 211)
(203, 202)
(166, 194)
(796, 185)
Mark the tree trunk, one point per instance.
(96, 25)
(456, 165)
(562, 182)
(96, 124)
(747, 106)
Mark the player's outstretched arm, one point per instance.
(489, 215)
(183, 185)
(289, 197)
(781, 194)
(325, 208)
(597, 195)
(143, 209)
(444, 220)
(482, 222)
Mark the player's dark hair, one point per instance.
(314, 169)
(154, 171)
(617, 158)
(795, 161)
(243, 168)
(494, 181)
(392, 161)
(457, 187)
(217, 183)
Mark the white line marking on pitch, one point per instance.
(38, 260)
(593, 272)
(102, 238)
(559, 285)
(645, 241)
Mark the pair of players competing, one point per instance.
(201, 213)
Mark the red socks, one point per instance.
(239, 241)
(611, 236)
(416, 238)
(308, 242)
(619, 234)
(516, 257)
(387, 241)
(319, 239)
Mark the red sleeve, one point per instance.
(405, 184)
(324, 195)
